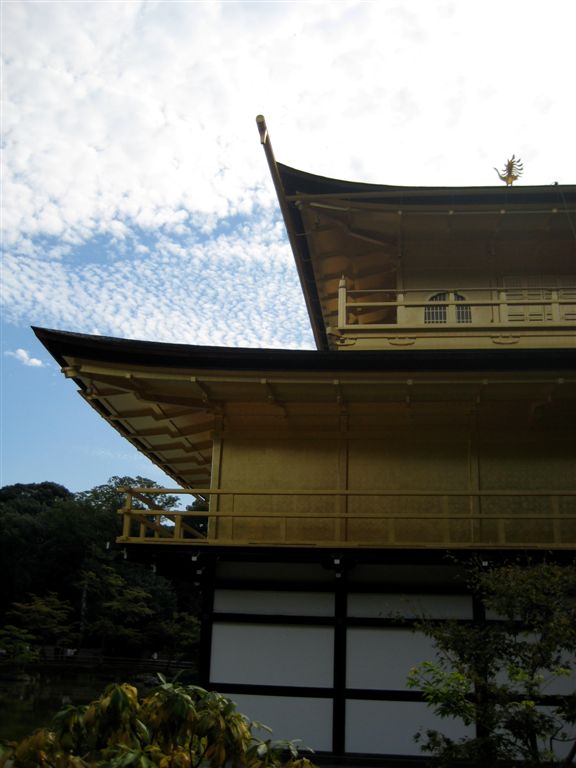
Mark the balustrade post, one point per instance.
(342, 313)
(451, 308)
(400, 308)
(125, 512)
(126, 523)
(502, 307)
(555, 305)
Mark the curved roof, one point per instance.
(169, 400)
(360, 230)
(67, 347)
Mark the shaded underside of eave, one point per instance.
(168, 399)
(65, 346)
(166, 466)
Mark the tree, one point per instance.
(28, 514)
(47, 618)
(176, 726)
(110, 496)
(16, 645)
(178, 636)
(33, 497)
(120, 611)
(497, 674)
(199, 524)
(44, 523)
(121, 605)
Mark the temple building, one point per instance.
(346, 487)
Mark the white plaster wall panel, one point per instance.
(307, 720)
(388, 727)
(260, 654)
(266, 603)
(410, 606)
(381, 659)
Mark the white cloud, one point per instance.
(237, 288)
(23, 356)
(140, 110)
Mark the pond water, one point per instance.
(30, 698)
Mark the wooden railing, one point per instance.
(385, 308)
(354, 518)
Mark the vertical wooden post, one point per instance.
(342, 313)
(125, 512)
(215, 499)
(555, 306)
(126, 523)
(341, 501)
(474, 480)
(400, 308)
(502, 307)
(451, 308)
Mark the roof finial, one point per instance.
(511, 171)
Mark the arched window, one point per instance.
(437, 311)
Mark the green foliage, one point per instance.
(118, 605)
(36, 529)
(494, 674)
(110, 495)
(175, 726)
(178, 635)
(47, 618)
(16, 645)
(116, 610)
(128, 608)
(199, 523)
(33, 497)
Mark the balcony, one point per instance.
(479, 316)
(497, 519)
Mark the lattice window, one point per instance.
(437, 311)
(463, 311)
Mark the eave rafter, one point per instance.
(138, 404)
(340, 398)
(373, 236)
(202, 388)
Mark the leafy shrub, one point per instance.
(175, 726)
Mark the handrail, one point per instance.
(341, 525)
(497, 306)
(463, 289)
(344, 492)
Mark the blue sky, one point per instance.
(136, 200)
